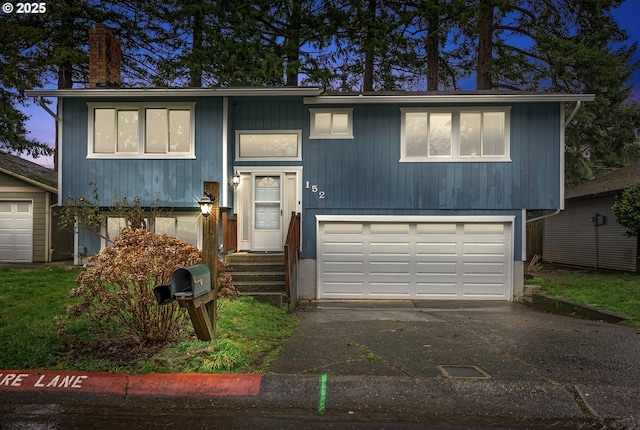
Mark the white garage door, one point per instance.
(16, 231)
(366, 259)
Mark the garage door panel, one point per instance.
(389, 248)
(389, 267)
(431, 268)
(440, 289)
(475, 289)
(344, 248)
(482, 268)
(390, 289)
(484, 249)
(343, 267)
(437, 249)
(415, 260)
(339, 228)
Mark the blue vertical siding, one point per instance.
(365, 172)
(173, 182)
(362, 175)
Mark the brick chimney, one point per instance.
(105, 57)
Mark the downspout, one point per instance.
(573, 114)
(49, 111)
(566, 123)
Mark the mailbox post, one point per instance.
(188, 285)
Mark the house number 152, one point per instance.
(314, 189)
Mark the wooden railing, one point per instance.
(229, 233)
(291, 250)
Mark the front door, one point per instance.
(267, 209)
(265, 199)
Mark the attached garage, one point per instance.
(16, 231)
(445, 258)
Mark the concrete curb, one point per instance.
(566, 307)
(406, 397)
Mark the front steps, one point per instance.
(259, 275)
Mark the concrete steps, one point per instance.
(259, 275)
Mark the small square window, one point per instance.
(331, 124)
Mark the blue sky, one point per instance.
(41, 126)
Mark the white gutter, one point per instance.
(449, 98)
(176, 92)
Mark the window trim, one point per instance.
(455, 135)
(298, 134)
(141, 109)
(332, 135)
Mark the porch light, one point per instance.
(206, 203)
(235, 180)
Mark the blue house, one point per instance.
(401, 195)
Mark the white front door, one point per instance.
(265, 199)
(267, 209)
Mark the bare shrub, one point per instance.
(116, 291)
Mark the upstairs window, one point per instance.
(331, 123)
(272, 145)
(141, 131)
(464, 134)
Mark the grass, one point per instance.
(249, 333)
(30, 300)
(612, 291)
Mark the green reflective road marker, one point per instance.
(323, 394)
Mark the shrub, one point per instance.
(116, 291)
(627, 210)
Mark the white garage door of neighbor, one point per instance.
(16, 231)
(414, 260)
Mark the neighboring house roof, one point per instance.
(613, 182)
(28, 171)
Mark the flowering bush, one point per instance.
(116, 291)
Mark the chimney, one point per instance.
(104, 58)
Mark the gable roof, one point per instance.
(28, 171)
(618, 180)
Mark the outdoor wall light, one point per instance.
(235, 180)
(206, 203)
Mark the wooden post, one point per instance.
(210, 228)
(202, 309)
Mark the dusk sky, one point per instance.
(41, 125)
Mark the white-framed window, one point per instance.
(459, 134)
(134, 130)
(260, 145)
(185, 226)
(331, 123)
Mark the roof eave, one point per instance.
(30, 181)
(450, 98)
(176, 92)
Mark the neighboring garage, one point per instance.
(29, 228)
(16, 231)
(448, 258)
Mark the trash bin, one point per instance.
(192, 281)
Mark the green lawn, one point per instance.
(613, 291)
(30, 300)
(249, 333)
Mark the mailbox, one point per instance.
(192, 281)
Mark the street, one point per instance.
(88, 417)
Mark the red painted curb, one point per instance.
(195, 384)
(189, 384)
